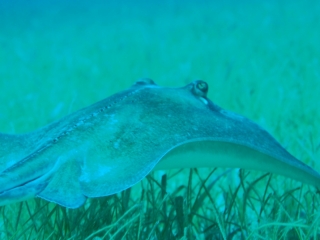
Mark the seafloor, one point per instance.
(260, 58)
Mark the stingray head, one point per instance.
(201, 134)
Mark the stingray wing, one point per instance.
(126, 141)
(113, 144)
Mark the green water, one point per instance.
(260, 58)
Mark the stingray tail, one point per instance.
(9, 144)
(21, 193)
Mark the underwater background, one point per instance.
(261, 59)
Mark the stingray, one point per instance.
(111, 145)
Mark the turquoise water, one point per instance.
(260, 58)
(100, 48)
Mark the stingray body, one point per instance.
(112, 144)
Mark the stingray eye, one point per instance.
(200, 88)
(145, 81)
